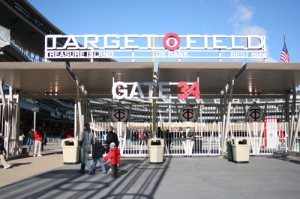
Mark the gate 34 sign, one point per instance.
(122, 90)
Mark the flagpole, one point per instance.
(284, 56)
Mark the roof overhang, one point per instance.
(33, 80)
(267, 79)
(212, 76)
(98, 77)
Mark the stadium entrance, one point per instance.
(196, 106)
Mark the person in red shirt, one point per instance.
(70, 133)
(39, 135)
(115, 158)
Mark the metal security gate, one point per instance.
(258, 142)
(180, 142)
(203, 137)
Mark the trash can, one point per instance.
(240, 149)
(229, 151)
(71, 151)
(156, 150)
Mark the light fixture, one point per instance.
(51, 93)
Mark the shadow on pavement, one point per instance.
(284, 158)
(137, 179)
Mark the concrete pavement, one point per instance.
(205, 177)
(28, 166)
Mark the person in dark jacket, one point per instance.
(97, 155)
(168, 139)
(111, 137)
(160, 133)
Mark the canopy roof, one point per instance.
(250, 79)
(97, 77)
(32, 80)
(267, 78)
(212, 76)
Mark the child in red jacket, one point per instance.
(115, 157)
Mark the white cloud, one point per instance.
(252, 30)
(271, 59)
(243, 14)
(241, 22)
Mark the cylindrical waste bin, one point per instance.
(229, 151)
(156, 150)
(71, 151)
(240, 149)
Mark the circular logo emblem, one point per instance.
(171, 41)
(255, 114)
(119, 114)
(188, 114)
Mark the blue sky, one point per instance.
(271, 18)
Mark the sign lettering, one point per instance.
(152, 46)
(122, 90)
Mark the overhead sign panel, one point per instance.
(130, 90)
(149, 46)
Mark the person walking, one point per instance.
(3, 152)
(111, 137)
(21, 140)
(115, 157)
(168, 140)
(97, 155)
(160, 133)
(85, 141)
(44, 142)
(30, 140)
(128, 139)
(141, 137)
(38, 139)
